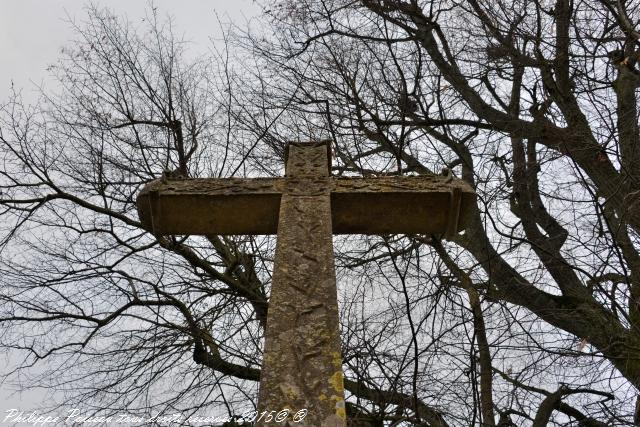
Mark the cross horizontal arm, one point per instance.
(211, 206)
(400, 205)
(381, 205)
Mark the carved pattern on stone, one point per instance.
(303, 307)
(307, 161)
(297, 185)
(307, 186)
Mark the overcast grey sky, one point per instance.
(32, 33)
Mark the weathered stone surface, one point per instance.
(302, 363)
(415, 204)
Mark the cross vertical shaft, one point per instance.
(302, 362)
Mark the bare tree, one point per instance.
(529, 317)
(532, 103)
(114, 317)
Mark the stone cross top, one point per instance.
(302, 363)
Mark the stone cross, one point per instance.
(302, 362)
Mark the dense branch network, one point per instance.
(530, 317)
